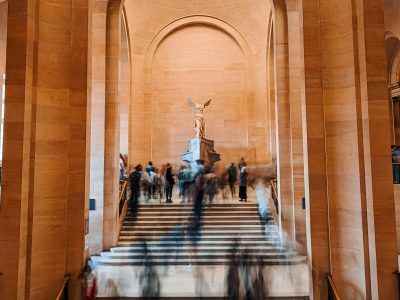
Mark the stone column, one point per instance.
(78, 146)
(283, 119)
(296, 83)
(314, 153)
(351, 210)
(3, 42)
(16, 157)
(111, 158)
(97, 82)
(372, 81)
(44, 190)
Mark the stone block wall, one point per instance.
(202, 61)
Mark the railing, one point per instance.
(123, 203)
(396, 173)
(333, 293)
(274, 185)
(63, 291)
(1, 274)
(397, 273)
(122, 195)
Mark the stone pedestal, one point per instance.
(201, 151)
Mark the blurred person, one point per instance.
(89, 281)
(232, 277)
(201, 286)
(187, 182)
(261, 199)
(210, 186)
(134, 183)
(178, 237)
(111, 288)
(232, 178)
(181, 172)
(158, 184)
(222, 183)
(243, 184)
(260, 290)
(152, 189)
(245, 269)
(198, 197)
(194, 227)
(242, 163)
(170, 242)
(169, 183)
(149, 281)
(149, 167)
(122, 165)
(145, 184)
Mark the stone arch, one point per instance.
(392, 45)
(271, 69)
(198, 19)
(106, 41)
(394, 69)
(192, 20)
(112, 129)
(124, 84)
(177, 24)
(282, 119)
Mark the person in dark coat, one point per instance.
(232, 177)
(134, 182)
(169, 183)
(243, 184)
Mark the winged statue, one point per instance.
(199, 126)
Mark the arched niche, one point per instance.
(201, 57)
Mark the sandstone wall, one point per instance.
(182, 67)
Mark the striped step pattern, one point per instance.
(164, 228)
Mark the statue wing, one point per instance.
(207, 103)
(191, 103)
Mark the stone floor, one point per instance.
(198, 281)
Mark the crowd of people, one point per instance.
(152, 183)
(244, 272)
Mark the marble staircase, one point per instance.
(163, 227)
(181, 269)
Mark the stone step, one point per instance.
(205, 222)
(221, 225)
(214, 205)
(199, 248)
(200, 243)
(203, 232)
(204, 217)
(190, 212)
(190, 207)
(190, 255)
(99, 260)
(225, 239)
(204, 227)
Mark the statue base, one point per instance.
(201, 151)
